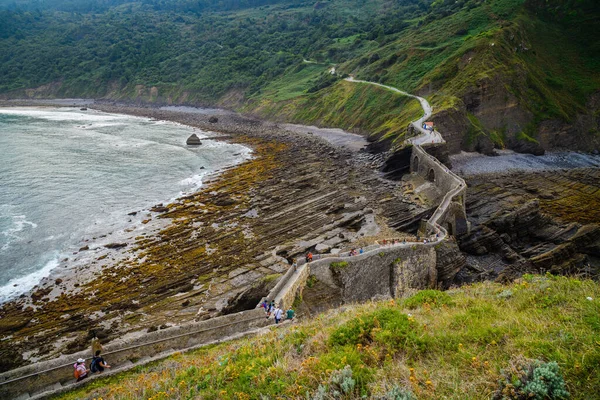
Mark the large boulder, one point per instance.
(322, 248)
(193, 140)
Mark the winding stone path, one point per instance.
(236, 324)
(426, 136)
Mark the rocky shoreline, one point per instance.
(212, 252)
(219, 250)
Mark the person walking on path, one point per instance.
(98, 364)
(271, 308)
(294, 264)
(278, 314)
(289, 314)
(81, 372)
(96, 345)
(265, 305)
(309, 257)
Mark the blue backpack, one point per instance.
(94, 364)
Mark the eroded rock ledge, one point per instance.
(533, 222)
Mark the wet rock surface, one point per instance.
(193, 140)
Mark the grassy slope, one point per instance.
(545, 67)
(346, 105)
(451, 345)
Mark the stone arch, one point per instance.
(415, 164)
(431, 175)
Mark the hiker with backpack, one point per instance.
(98, 364)
(81, 372)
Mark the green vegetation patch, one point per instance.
(431, 298)
(386, 326)
(339, 265)
(486, 342)
(358, 107)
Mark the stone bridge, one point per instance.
(451, 213)
(386, 270)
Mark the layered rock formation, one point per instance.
(296, 193)
(530, 222)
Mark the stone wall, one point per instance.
(415, 271)
(423, 164)
(451, 213)
(382, 273)
(48, 375)
(295, 283)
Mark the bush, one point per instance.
(434, 298)
(336, 266)
(399, 393)
(531, 379)
(340, 384)
(387, 327)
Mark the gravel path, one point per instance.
(468, 164)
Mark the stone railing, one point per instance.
(36, 379)
(455, 185)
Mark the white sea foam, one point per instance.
(80, 191)
(19, 222)
(193, 183)
(23, 284)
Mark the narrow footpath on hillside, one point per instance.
(426, 135)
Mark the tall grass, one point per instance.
(452, 345)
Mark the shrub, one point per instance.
(399, 393)
(434, 298)
(388, 327)
(341, 381)
(531, 379)
(336, 266)
(340, 384)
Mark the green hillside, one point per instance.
(509, 73)
(458, 344)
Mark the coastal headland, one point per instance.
(215, 251)
(221, 249)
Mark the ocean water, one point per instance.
(67, 175)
